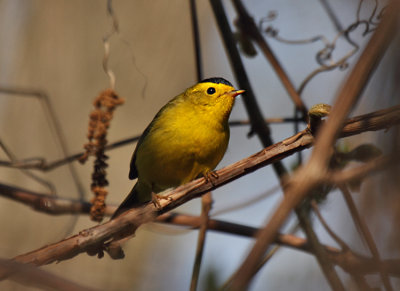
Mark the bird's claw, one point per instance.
(210, 176)
(156, 200)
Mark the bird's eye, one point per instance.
(210, 90)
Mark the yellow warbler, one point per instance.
(186, 139)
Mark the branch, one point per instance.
(366, 235)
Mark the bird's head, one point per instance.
(215, 95)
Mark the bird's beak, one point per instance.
(235, 93)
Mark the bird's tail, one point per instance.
(131, 201)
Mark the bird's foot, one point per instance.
(156, 199)
(210, 176)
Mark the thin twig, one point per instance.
(13, 160)
(247, 202)
(54, 125)
(327, 266)
(340, 242)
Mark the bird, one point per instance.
(187, 139)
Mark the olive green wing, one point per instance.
(133, 172)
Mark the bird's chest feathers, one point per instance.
(195, 132)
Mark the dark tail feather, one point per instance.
(131, 201)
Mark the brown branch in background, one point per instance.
(313, 172)
(326, 265)
(13, 160)
(247, 25)
(41, 164)
(206, 203)
(99, 123)
(366, 235)
(48, 203)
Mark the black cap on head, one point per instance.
(217, 80)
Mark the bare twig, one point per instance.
(54, 125)
(340, 242)
(327, 266)
(47, 203)
(13, 160)
(247, 202)
(332, 15)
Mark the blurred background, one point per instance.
(56, 47)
